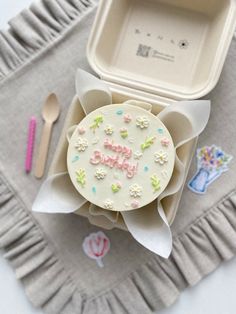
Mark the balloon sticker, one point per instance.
(212, 161)
(96, 246)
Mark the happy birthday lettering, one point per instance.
(114, 162)
(123, 150)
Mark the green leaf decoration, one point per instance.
(115, 187)
(124, 133)
(96, 122)
(148, 142)
(155, 183)
(81, 177)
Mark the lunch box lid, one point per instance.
(171, 48)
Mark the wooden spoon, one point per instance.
(50, 114)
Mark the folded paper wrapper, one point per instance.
(149, 225)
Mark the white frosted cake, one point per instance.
(120, 157)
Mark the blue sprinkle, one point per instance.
(76, 158)
(160, 131)
(146, 168)
(119, 112)
(94, 189)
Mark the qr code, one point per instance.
(143, 51)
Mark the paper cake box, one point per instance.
(162, 49)
(158, 52)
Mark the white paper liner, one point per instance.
(148, 225)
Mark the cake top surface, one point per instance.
(120, 157)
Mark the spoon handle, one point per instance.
(43, 150)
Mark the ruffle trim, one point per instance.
(31, 31)
(207, 242)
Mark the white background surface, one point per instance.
(216, 294)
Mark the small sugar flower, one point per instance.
(81, 130)
(138, 155)
(142, 122)
(108, 204)
(161, 157)
(109, 130)
(135, 190)
(81, 177)
(165, 142)
(127, 118)
(81, 144)
(123, 132)
(100, 174)
(135, 204)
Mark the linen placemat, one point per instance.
(39, 54)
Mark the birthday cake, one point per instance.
(120, 157)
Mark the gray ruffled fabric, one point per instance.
(205, 234)
(210, 240)
(36, 28)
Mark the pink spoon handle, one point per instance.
(30, 144)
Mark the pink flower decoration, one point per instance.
(81, 130)
(127, 118)
(96, 246)
(119, 184)
(165, 142)
(135, 204)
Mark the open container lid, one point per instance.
(171, 48)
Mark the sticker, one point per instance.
(212, 161)
(96, 246)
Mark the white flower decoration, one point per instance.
(108, 204)
(109, 130)
(81, 144)
(135, 190)
(142, 122)
(138, 155)
(100, 174)
(95, 140)
(161, 157)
